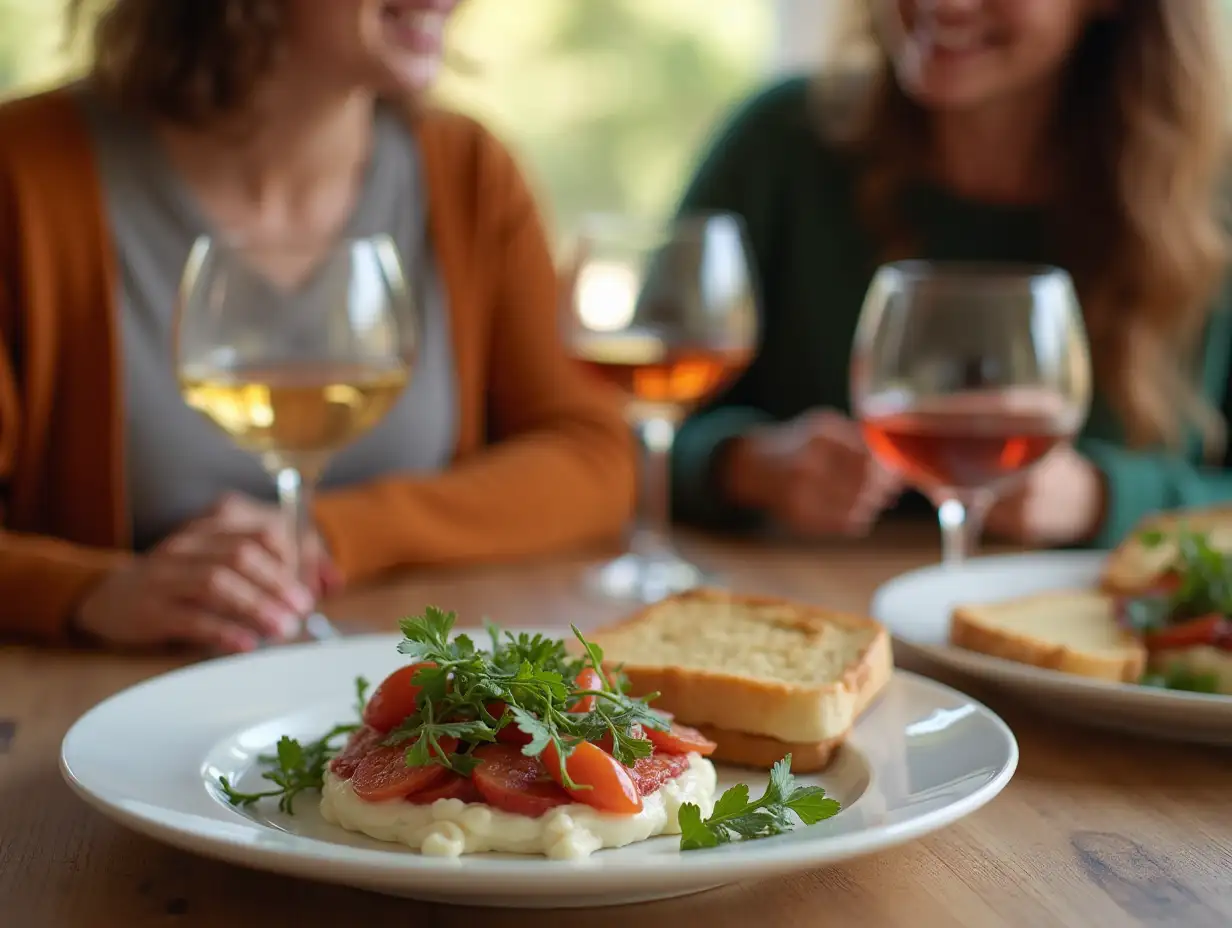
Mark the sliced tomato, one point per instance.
(588, 679)
(362, 742)
(394, 699)
(383, 774)
(1167, 582)
(455, 787)
(649, 773)
(1205, 630)
(606, 783)
(510, 781)
(681, 739)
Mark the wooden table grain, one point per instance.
(1095, 831)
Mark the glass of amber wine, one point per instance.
(666, 313)
(966, 375)
(295, 349)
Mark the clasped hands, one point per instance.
(815, 476)
(222, 582)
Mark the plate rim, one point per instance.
(962, 660)
(379, 868)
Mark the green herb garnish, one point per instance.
(1180, 678)
(531, 676)
(734, 816)
(296, 767)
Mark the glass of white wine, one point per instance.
(295, 349)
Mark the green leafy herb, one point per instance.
(1181, 678)
(296, 767)
(735, 817)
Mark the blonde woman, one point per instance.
(127, 519)
(1084, 133)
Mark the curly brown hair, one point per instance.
(1139, 215)
(181, 61)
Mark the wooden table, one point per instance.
(1095, 831)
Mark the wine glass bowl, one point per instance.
(295, 349)
(666, 314)
(964, 376)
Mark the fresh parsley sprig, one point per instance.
(297, 767)
(735, 817)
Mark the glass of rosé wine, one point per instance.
(964, 376)
(666, 314)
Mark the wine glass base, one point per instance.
(644, 579)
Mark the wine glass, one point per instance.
(295, 349)
(665, 312)
(964, 376)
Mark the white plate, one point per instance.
(916, 608)
(923, 757)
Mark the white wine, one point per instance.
(295, 410)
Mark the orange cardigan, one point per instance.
(559, 471)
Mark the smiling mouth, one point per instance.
(951, 40)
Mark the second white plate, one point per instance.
(916, 608)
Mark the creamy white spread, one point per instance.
(451, 827)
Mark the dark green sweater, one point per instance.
(814, 262)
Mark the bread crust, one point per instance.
(790, 713)
(1129, 570)
(970, 631)
(744, 750)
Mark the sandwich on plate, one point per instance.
(759, 677)
(1161, 616)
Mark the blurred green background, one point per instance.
(606, 102)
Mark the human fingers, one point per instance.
(198, 627)
(224, 592)
(237, 513)
(247, 554)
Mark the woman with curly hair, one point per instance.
(1089, 134)
(126, 517)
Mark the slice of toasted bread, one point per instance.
(1133, 567)
(767, 675)
(1073, 632)
(736, 747)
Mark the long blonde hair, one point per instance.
(1139, 216)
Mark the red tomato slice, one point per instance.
(1168, 582)
(394, 699)
(384, 775)
(455, 787)
(649, 773)
(510, 781)
(362, 742)
(1191, 634)
(681, 739)
(611, 787)
(588, 679)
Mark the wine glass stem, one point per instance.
(295, 498)
(650, 533)
(962, 524)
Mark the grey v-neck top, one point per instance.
(179, 464)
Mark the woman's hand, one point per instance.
(1060, 502)
(814, 475)
(222, 582)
